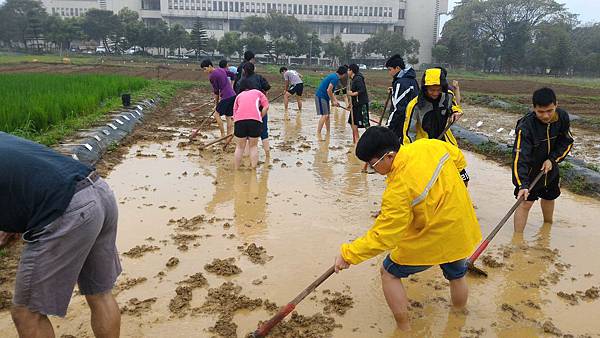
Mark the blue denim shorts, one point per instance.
(264, 134)
(453, 270)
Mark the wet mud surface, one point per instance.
(279, 227)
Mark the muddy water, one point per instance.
(300, 206)
(498, 124)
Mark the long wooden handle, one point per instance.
(384, 109)
(266, 327)
(216, 141)
(492, 234)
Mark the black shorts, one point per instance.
(297, 89)
(247, 128)
(361, 115)
(545, 190)
(225, 106)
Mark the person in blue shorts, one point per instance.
(325, 94)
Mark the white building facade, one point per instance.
(353, 20)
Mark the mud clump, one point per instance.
(256, 254)
(140, 250)
(516, 315)
(195, 281)
(491, 262)
(337, 302)
(315, 326)
(549, 327)
(225, 301)
(224, 327)
(135, 307)
(227, 298)
(270, 306)
(223, 267)
(571, 297)
(5, 300)
(173, 261)
(592, 293)
(181, 302)
(129, 283)
(193, 224)
(182, 240)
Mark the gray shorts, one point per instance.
(78, 247)
(322, 106)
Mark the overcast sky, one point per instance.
(588, 10)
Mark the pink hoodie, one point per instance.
(247, 103)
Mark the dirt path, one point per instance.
(194, 271)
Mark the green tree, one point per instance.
(131, 29)
(22, 20)
(440, 53)
(254, 25)
(335, 49)
(102, 26)
(61, 32)
(178, 37)
(230, 43)
(198, 38)
(388, 43)
(314, 46)
(212, 44)
(255, 43)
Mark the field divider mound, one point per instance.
(88, 146)
(577, 177)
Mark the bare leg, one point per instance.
(219, 123)
(229, 125)
(31, 324)
(521, 215)
(240, 145)
(459, 292)
(547, 210)
(286, 99)
(395, 296)
(354, 134)
(266, 147)
(299, 100)
(321, 123)
(327, 123)
(106, 316)
(253, 142)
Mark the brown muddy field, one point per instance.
(212, 251)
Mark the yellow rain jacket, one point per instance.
(427, 216)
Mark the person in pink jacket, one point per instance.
(248, 110)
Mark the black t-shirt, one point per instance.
(36, 183)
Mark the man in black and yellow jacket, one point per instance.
(428, 114)
(543, 139)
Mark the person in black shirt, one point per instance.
(543, 140)
(360, 101)
(248, 58)
(68, 217)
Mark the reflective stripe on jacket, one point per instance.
(427, 216)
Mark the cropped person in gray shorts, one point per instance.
(68, 217)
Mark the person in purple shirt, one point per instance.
(224, 95)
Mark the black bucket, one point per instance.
(126, 99)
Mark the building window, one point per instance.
(400, 14)
(399, 29)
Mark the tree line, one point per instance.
(533, 36)
(25, 24)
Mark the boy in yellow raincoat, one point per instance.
(426, 218)
(428, 114)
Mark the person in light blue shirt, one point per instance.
(325, 94)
